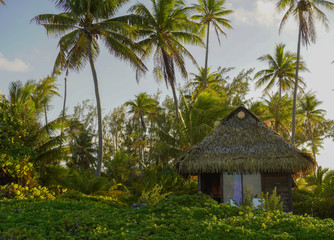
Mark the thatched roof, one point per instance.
(244, 145)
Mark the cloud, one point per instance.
(16, 65)
(263, 12)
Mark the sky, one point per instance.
(26, 53)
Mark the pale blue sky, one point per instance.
(27, 53)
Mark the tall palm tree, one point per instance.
(211, 12)
(163, 29)
(309, 108)
(81, 25)
(281, 70)
(306, 12)
(142, 106)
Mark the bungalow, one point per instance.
(244, 153)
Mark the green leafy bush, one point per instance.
(271, 202)
(153, 196)
(306, 202)
(175, 217)
(17, 191)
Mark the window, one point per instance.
(234, 186)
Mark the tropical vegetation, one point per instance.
(86, 175)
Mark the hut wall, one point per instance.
(210, 184)
(283, 184)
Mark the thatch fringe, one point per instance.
(244, 145)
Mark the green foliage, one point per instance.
(121, 168)
(315, 195)
(84, 182)
(12, 132)
(305, 202)
(17, 191)
(175, 217)
(247, 199)
(153, 196)
(16, 169)
(271, 202)
(168, 179)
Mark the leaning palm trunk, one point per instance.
(45, 114)
(99, 113)
(206, 56)
(169, 68)
(296, 84)
(176, 103)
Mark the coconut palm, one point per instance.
(142, 106)
(317, 178)
(278, 112)
(27, 102)
(163, 29)
(81, 25)
(211, 12)
(44, 91)
(198, 80)
(281, 70)
(306, 12)
(309, 108)
(21, 101)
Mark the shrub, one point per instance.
(17, 191)
(175, 217)
(153, 196)
(271, 202)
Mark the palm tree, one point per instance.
(309, 109)
(305, 12)
(317, 178)
(81, 24)
(211, 12)
(198, 81)
(164, 29)
(142, 106)
(278, 111)
(27, 102)
(21, 101)
(281, 70)
(44, 91)
(82, 147)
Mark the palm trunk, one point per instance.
(99, 114)
(176, 103)
(63, 113)
(280, 88)
(65, 96)
(140, 139)
(206, 56)
(312, 140)
(45, 114)
(170, 73)
(296, 86)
